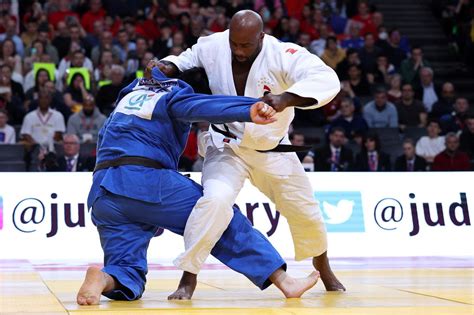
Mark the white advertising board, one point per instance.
(43, 216)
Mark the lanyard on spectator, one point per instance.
(44, 122)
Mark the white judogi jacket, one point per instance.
(279, 67)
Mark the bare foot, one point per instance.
(321, 263)
(94, 284)
(291, 287)
(186, 287)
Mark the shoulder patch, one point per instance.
(291, 50)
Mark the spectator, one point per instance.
(455, 121)
(368, 53)
(63, 37)
(371, 158)
(297, 139)
(86, 123)
(427, 92)
(445, 104)
(63, 13)
(76, 59)
(353, 124)
(71, 161)
(363, 17)
(318, 46)
(135, 56)
(432, 144)
(467, 137)
(102, 71)
(410, 67)
(43, 36)
(451, 159)
(357, 84)
(409, 161)
(394, 93)
(42, 76)
(92, 40)
(57, 102)
(334, 156)
(304, 40)
(355, 41)
(380, 113)
(75, 93)
(107, 94)
(7, 132)
(381, 74)
(396, 54)
(11, 34)
(8, 51)
(352, 58)
(31, 32)
(162, 45)
(291, 34)
(44, 125)
(411, 112)
(105, 44)
(95, 13)
(124, 45)
(16, 88)
(333, 54)
(10, 97)
(377, 21)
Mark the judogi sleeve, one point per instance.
(308, 76)
(190, 58)
(184, 105)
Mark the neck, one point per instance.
(44, 110)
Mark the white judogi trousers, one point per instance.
(280, 176)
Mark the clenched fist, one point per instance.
(262, 113)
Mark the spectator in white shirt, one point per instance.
(44, 125)
(432, 144)
(7, 132)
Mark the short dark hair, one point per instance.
(335, 129)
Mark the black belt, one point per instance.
(278, 148)
(288, 148)
(225, 133)
(128, 160)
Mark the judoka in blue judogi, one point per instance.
(136, 189)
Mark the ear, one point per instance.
(262, 35)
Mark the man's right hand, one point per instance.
(168, 68)
(262, 114)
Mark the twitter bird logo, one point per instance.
(342, 210)
(340, 213)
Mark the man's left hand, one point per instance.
(278, 102)
(151, 64)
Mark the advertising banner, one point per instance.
(44, 216)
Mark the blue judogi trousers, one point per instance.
(127, 225)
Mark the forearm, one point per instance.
(293, 100)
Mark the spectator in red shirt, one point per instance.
(364, 17)
(95, 13)
(295, 7)
(63, 14)
(451, 159)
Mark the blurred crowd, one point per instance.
(63, 63)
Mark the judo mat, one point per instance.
(428, 285)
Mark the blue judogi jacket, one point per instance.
(152, 120)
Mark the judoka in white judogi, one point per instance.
(278, 68)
